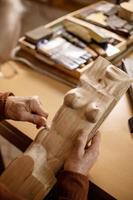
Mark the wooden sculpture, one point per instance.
(33, 174)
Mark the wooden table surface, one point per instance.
(113, 172)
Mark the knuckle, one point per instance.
(29, 100)
(35, 98)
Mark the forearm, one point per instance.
(3, 98)
(72, 186)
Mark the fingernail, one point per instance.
(45, 115)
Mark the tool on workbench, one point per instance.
(63, 52)
(86, 31)
(37, 34)
(79, 43)
(110, 16)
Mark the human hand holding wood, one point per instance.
(27, 109)
(84, 154)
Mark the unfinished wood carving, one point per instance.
(85, 107)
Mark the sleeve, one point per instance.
(3, 98)
(72, 186)
(7, 195)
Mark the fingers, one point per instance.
(35, 119)
(36, 107)
(81, 142)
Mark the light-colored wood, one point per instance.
(78, 30)
(93, 6)
(84, 107)
(126, 10)
(86, 31)
(93, 52)
(98, 49)
(93, 30)
(98, 17)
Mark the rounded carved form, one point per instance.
(92, 112)
(74, 99)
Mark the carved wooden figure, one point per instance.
(85, 107)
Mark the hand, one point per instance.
(83, 155)
(26, 109)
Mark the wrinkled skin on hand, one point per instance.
(83, 155)
(27, 109)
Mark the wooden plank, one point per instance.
(98, 33)
(87, 106)
(15, 136)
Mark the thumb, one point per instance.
(34, 118)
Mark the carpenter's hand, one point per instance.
(83, 155)
(26, 109)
